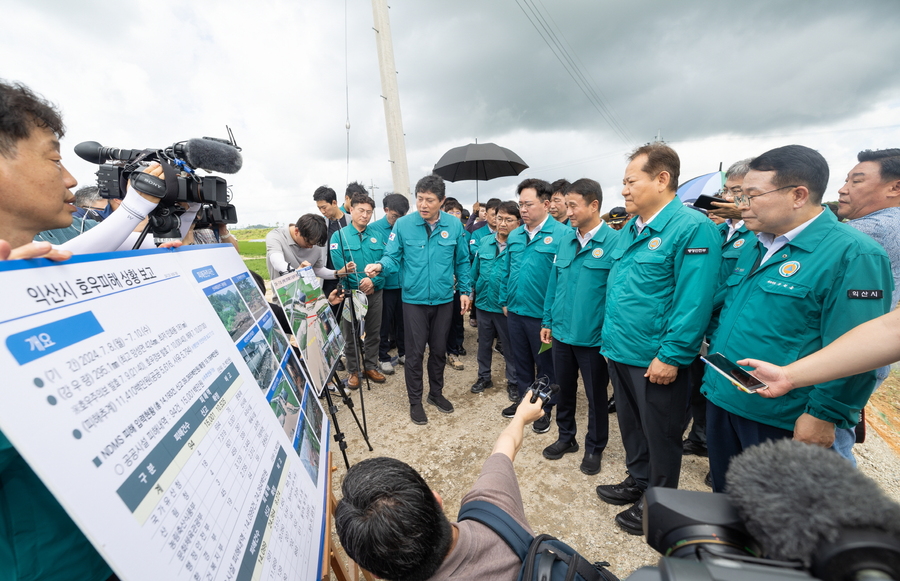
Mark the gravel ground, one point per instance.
(559, 499)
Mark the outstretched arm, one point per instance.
(868, 346)
(510, 440)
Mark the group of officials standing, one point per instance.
(777, 280)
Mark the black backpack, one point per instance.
(544, 558)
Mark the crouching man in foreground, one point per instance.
(393, 525)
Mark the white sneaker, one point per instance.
(387, 368)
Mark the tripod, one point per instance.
(332, 410)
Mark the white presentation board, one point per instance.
(155, 395)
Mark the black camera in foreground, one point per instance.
(179, 161)
(209, 216)
(181, 183)
(793, 511)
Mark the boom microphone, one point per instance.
(210, 154)
(806, 503)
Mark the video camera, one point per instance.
(182, 183)
(210, 216)
(793, 511)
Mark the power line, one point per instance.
(550, 37)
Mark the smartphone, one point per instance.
(733, 372)
(706, 202)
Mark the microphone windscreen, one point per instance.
(793, 497)
(212, 155)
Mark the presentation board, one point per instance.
(155, 395)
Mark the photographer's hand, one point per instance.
(510, 440)
(726, 210)
(776, 378)
(155, 170)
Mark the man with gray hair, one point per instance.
(735, 237)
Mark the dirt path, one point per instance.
(559, 499)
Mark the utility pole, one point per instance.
(391, 97)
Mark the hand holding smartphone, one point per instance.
(733, 372)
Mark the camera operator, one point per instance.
(393, 525)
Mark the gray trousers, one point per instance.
(490, 323)
(373, 336)
(425, 324)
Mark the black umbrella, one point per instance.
(479, 161)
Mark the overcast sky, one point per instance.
(719, 81)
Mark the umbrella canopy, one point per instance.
(707, 184)
(479, 161)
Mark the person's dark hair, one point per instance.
(560, 185)
(432, 183)
(465, 215)
(313, 228)
(21, 111)
(492, 204)
(452, 204)
(510, 208)
(796, 165)
(361, 199)
(355, 188)
(660, 158)
(325, 194)
(587, 189)
(389, 521)
(888, 159)
(86, 195)
(396, 203)
(260, 282)
(540, 186)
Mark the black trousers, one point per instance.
(425, 324)
(651, 421)
(567, 361)
(731, 434)
(457, 329)
(391, 323)
(697, 409)
(524, 346)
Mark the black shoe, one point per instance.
(498, 347)
(558, 449)
(481, 385)
(542, 424)
(611, 405)
(417, 414)
(510, 412)
(632, 520)
(462, 351)
(690, 447)
(340, 366)
(625, 492)
(512, 392)
(708, 479)
(590, 464)
(441, 403)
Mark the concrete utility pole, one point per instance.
(391, 97)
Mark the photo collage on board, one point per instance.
(275, 364)
(313, 322)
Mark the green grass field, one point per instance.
(257, 265)
(252, 248)
(251, 233)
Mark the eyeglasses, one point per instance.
(744, 199)
(510, 220)
(735, 191)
